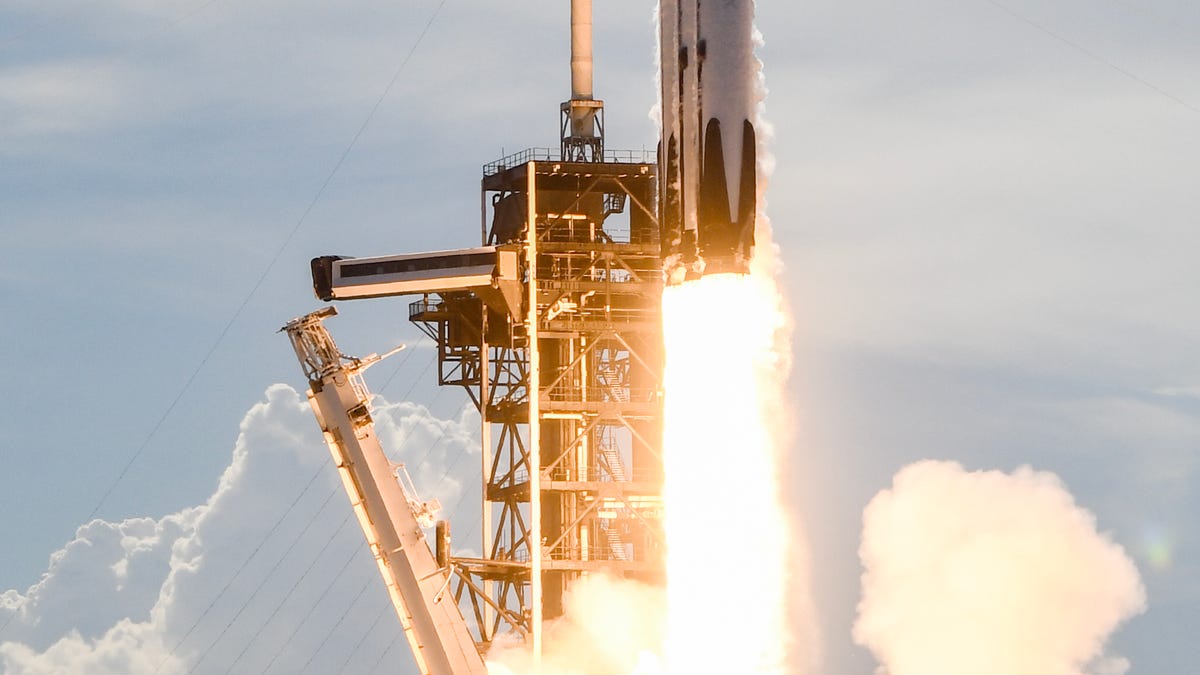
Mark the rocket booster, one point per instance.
(708, 193)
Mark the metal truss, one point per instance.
(572, 474)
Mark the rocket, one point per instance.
(708, 191)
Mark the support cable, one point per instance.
(383, 611)
(341, 526)
(385, 653)
(403, 361)
(240, 568)
(269, 575)
(288, 595)
(449, 468)
(270, 264)
(1092, 55)
(333, 580)
(471, 532)
(416, 380)
(337, 624)
(438, 441)
(458, 505)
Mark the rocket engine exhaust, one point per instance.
(707, 152)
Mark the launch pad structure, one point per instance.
(568, 389)
(553, 328)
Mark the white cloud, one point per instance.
(443, 450)
(1179, 391)
(985, 572)
(60, 97)
(119, 597)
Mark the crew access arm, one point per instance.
(432, 622)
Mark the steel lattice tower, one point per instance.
(569, 393)
(553, 327)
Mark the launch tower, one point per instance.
(567, 379)
(553, 328)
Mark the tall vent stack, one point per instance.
(582, 121)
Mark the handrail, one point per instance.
(643, 156)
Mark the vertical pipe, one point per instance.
(441, 540)
(581, 49)
(485, 440)
(582, 460)
(483, 233)
(583, 120)
(535, 432)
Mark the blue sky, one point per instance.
(990, 237)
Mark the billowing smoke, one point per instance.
(165, 594)
(609, 627)
(989, 573)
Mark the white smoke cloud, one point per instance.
(990, 574)
(610, 626)
(442, 450)
(804, 649)
(121, 597)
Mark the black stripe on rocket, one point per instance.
(723, 243)
(702, 231)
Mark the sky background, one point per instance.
(987, 212)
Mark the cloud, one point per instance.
(1189, 392)
(59, 97)
(987, 572)
(443, 448)
(149, 593)
(609, 626)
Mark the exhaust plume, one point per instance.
(610, 626)
(989, 573)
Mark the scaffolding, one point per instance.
(568, 388)
(554, 330)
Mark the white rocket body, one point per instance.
(707, 153)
